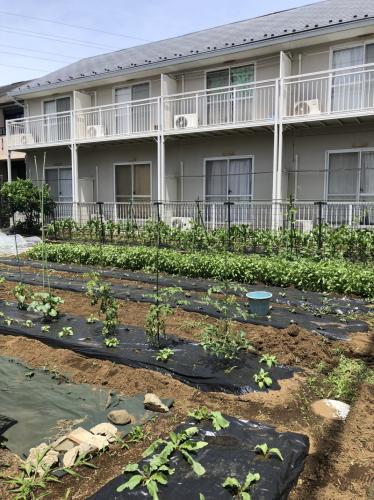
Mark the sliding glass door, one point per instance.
(228, 179)
(133, 182)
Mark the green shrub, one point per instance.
(333, 275)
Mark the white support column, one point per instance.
(74, 179)
(275, 158)
(9, 165)
(160, 154)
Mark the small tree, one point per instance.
(25, 197)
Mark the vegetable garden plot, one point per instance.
(229, 452)
(189, 364)
(46, 405)
(315, 318)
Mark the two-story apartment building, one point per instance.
(250, 112)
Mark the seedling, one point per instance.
(100, 293)
(218, 421)
(28, 323)
(224, 341)
(155, 321)
(181, 443)
(268, 452)
(47, 304)
(150, 476)
(67, 331)
(23, 294)
(92, 319)
(165, 354)
(262, 379)
(269, 359)
(135, 436)
(45, 328)
(111, 342)
(241, 490)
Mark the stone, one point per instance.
(86, 448)
(70, 457)
(105, 429)
(48, 461)
(119, 417)
(153, 402)
(80, 436)
(330, 409)
(293, 330)
(63, 444)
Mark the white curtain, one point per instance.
(343, 176)
(240, 178)
(367, 173)
(347, 88)
(216, 180)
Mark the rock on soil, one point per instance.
(154, 403)
(49, 459)
(119, 417)
(331, 409)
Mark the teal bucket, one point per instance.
(259, 302)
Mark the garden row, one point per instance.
(333, 275)
(356, 245)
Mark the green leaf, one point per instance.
(263, 448)
(250, 479)
(152, 489)
(276, 452)
(196, 466)
(219, 422)
(131, 468)
(231, 482)
(152, 448)
(245, 495)
(160, 478)
(194, 445)
(132, 483)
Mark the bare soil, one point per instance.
(338, 466)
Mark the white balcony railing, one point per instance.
(258, 215)
(117, 120)
(227, 106)
(339, 92)
(54, 128)
(333, 93)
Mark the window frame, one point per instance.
(54, 167)
(228, 158)
(132, 164)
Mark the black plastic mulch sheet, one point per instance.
(230, 452)
(190, 363)
(6, 423)
(318, 313)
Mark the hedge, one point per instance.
(333, 275)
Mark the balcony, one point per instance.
(339, 93)
(335, 93)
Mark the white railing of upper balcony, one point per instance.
(250, 103)
(258, 215)
(338, 92)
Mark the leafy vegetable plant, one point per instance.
(262, 379)
(268, 452)
(100, 293)
(181, 443)
(241, 490)
(111, 342)
(46, 304)
(165, 354)
(218, 421)
(150, 476)
(269, 359)
(67, 331)
(23, 294)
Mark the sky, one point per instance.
(40, 36)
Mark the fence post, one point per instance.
(320, 204)
(102, 230)
(228, 204)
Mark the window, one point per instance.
(351, 176)
(132, 117)
(228, 179)
(133, 182)
(57, 127)
(233, 105)
(354, 90)
(59, 180)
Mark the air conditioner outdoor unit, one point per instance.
(95, 131)
(182, 222)
(310, 107)
(304, 225)
(185, 121)
(21, 139)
